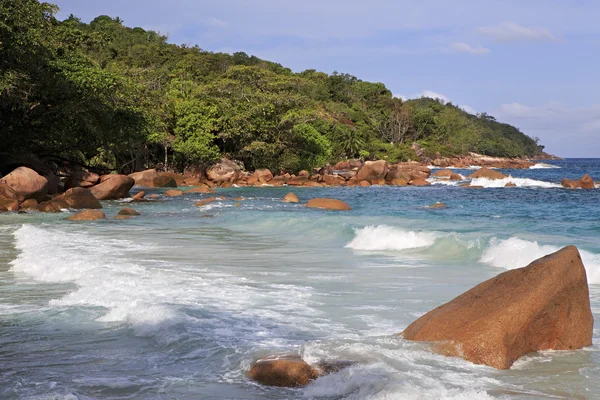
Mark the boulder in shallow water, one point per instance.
(204, 202)
(139, 195)
(164, 181)
(542, 306)
(173, 193)
(585, 182)
(487, 173)
(79, 198)
(328, 204)
(9, 204)
(87, 215)
(29, 204)
(53, 206)
(200, 189)
(112, 187)
(290, 198)
(419, 182)
(286, 371)
(128, 211)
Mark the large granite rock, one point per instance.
(542, 306)
(26, 183)
(487, 173)
(372, 170)
(223, 171)
(328, 204)
(287, 371)
(112, 187)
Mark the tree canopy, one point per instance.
(105, 94)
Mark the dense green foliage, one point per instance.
(102, 93)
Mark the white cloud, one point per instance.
(433, 95)
(460, 47)
(468, 109)
(562, 129)
(512, 32)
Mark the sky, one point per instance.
(530, 63)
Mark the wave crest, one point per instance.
(383, 237)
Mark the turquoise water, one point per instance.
(179, 302)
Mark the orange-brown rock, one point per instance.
(112, 187)
(439, 204)
(407, 171)
(163, 181)
(79, 198)
(290, 198)
(201, 189)
(121, 217)
(226, 185)
(26, 183)
(378, 181)
(224, 170)
(286, 371)
(82, 179)
(333, 180)
(8, 192)
(585, 182)
(263, 175)
(328, 204)
(364, 184)
(139, 195)
(442, 173)
(398, 182)
(419, 182)
(238, 198)
(204, 202)
(252, 180)
(153, 196)
(87, 215)
(54, 206)
(372, 170)
(178, 178)
(487, 173)
(510, 184)
(128, 211)
(304, 173)
(298, 181)
(173, 193)
(542, 306)
(144, 178)
(9, 204)
(29, 204)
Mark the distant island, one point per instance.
(114, 98)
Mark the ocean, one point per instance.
(179, 302)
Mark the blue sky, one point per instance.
(531, 63)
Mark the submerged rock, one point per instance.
(205, 202)
(290, 198)
(328, 204)
(200, 189)
(87, 215)
(139, 195)
(128, 211)
(173, 193)
(286, 371)
(542, 306)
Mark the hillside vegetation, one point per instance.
(106, 95)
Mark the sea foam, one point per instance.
(383, 237)
(543, 166)
(515, 253)
(519, 182)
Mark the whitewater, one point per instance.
(179, 302)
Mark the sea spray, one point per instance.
(514, 253)
(383, 237)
